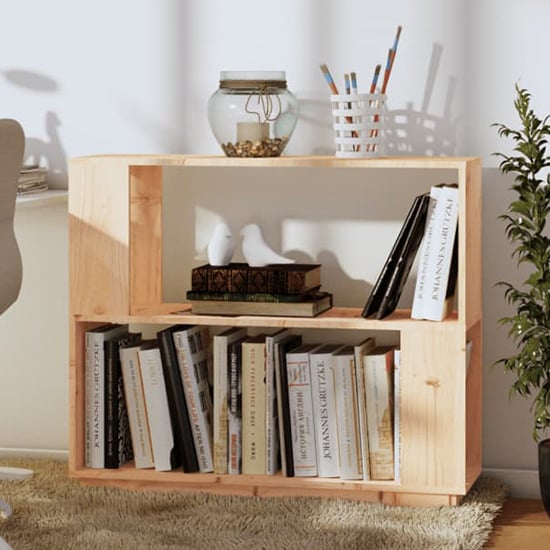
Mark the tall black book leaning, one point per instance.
(388, 287)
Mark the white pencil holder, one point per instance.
(357, 123)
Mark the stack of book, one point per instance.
(32, 179)
(237, 289)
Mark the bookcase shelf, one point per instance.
(116, 275)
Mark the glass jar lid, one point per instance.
(252, 79)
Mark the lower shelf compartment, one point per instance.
(387, 492)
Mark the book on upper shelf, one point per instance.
(311, 306)
(254, 444)
(222, 364)
(94, 369)
(438, 266)
(378, 370)
(181, 424)
(193, 349)
(118, 441)
(243, 279)
(300, 401)
(345, 387)
(324, 410)
(281, 348)
(135, 403)
(389, 285)
(165, 455)
(240, 297)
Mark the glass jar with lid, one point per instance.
(253, 113)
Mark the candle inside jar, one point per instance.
(252, 131)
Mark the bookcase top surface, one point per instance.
(279, 162)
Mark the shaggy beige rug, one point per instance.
(54, 512)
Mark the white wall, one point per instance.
(135, 76)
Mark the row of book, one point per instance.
(233, 403)
(310, 409)
(430, 231)
(148, 399)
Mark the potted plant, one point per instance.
(525, 221)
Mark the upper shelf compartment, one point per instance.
(129, 215)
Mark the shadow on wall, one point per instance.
(47, 152)
(407, 131)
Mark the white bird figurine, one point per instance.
(255, 250)
(221, 246)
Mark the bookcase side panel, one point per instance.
(470, 255)
(145, 237)
(474, 412)
(432, 407)
(98, 236)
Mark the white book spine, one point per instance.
(221, 395)
(345, 387)
(324, 414)
(435, 306)
(158, 413)
(301, 414)
(271, 414)
(135, 403)
(192, 359)
(397, 414)
(95, 402)
(360, 351)
(433, 216)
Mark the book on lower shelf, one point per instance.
(118, 441)
(193, 349)
(94, 374)
(234, 412)
(271, 410)
(135, 402)
(301, 410)
(254, 443)
(177, 404)
(281, 348)
(241, 278)
(310, 306)
(324, 410)
(221, 358)
(378, 370)
(438, 266)
(349, 439)
(360, 350)
(165, 456)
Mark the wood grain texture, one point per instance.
(522, 524)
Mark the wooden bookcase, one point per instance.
(116, 264)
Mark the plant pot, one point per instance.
(544, 473)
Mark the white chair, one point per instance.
(12, 148)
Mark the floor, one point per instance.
(522, 525)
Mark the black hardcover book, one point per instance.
(381, 285)
(181, 427)
(118, 441)
(404, 262)
(281, 379)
